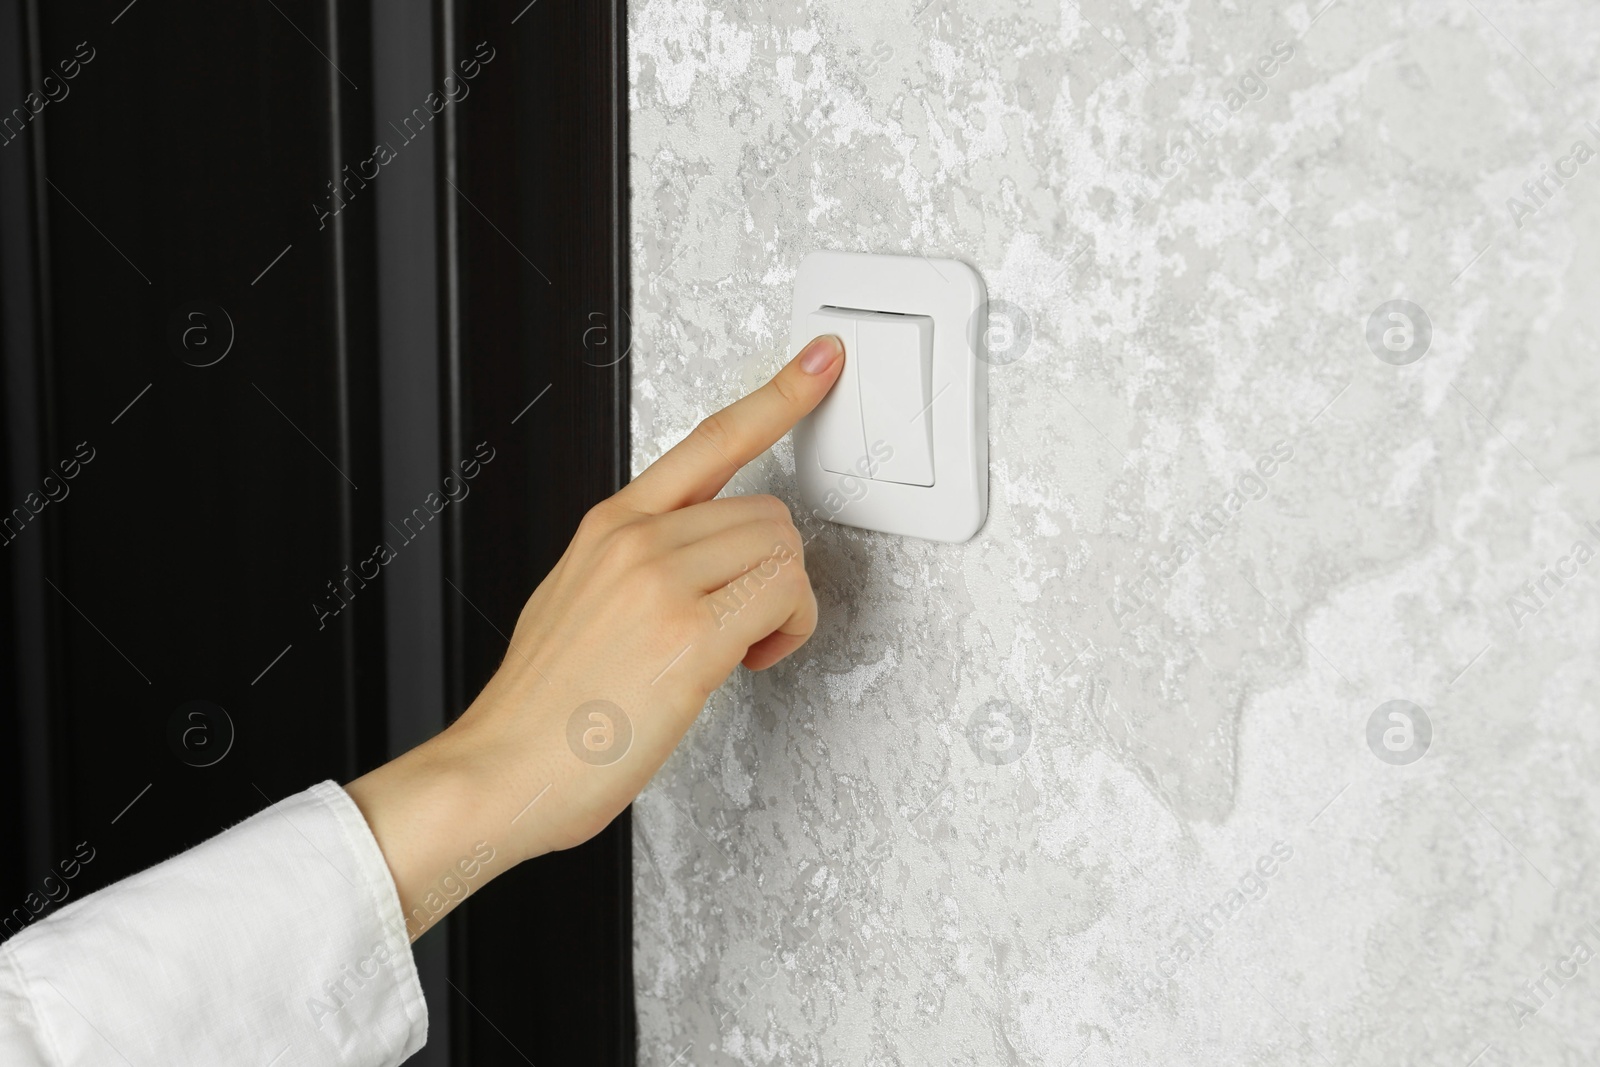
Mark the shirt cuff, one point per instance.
(279, 941)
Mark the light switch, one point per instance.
(875, 422)
(894, 361)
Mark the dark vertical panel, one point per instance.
(536, 215)
(408, 331)
(408, 326)
(25, 765)
(220, 499)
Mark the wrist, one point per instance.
(426, 813)
(528, 793)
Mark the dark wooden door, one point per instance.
(265, 269)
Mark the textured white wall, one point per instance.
(1197, 857)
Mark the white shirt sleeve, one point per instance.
(277, 943)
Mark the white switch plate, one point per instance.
(952, 295)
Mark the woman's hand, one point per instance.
(662, 592)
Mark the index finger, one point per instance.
(696, 468)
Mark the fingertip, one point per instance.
(821, 354)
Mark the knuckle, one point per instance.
(598, 519)
(773, 507)
(715, 612)
(656, 587)
(784, 386)
(629, 545)
(779, 531)
(714, 430)
(784, 544)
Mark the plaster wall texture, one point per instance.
(1097, 787)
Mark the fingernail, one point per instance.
(819, 355)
